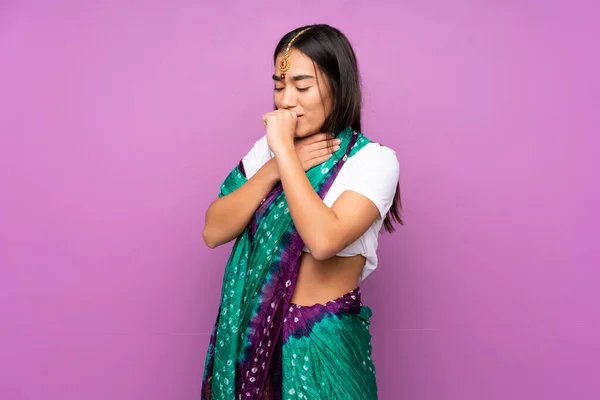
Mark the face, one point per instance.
(304, 91)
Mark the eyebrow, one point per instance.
(294, 78)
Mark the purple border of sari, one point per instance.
(252, 378)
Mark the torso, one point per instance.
(322, 281)
(373, 172)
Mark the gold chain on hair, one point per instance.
(284, 63)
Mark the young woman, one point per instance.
(306, 205)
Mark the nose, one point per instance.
(288, 97)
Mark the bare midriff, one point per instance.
(322, 281)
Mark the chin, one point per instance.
(301, 133)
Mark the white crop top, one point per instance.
(373, 172)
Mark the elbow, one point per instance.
(209, 240)
(321, 256)
(323, 250)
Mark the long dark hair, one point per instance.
(331, 52)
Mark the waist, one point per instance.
(321, 281)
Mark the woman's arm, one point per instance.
(228, 216)
(325, 231)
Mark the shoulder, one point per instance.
(374, 149)
(376, 158)
(373, 172)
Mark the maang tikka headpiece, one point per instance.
(284, 64)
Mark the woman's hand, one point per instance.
(315, 149)
(281, 126)
(311, 151)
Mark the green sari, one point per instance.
(264, 347)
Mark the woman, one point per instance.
(306, 205)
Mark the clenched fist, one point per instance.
(281, 126)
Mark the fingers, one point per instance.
(324, 152)
(277, 115)
(319, 148)
(328, 145)
(284, 113)
(332, 143)
(318, 152)
(319, 157)
(316, 161)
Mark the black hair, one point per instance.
(333, 54)
(331, 51)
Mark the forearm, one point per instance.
(228, 216)
(315, 221)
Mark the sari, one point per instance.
(264, 347)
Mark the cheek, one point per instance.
(314, 103)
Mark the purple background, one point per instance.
(119, 120)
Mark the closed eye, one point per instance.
(299, 89)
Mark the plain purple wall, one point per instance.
(119, 121)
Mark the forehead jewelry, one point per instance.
(284, 63)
